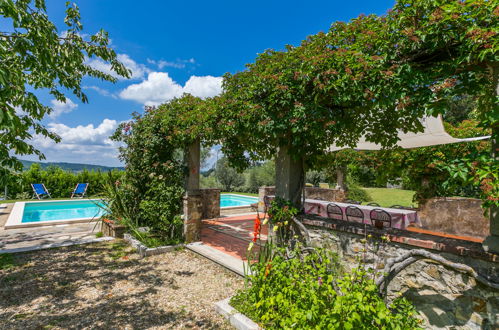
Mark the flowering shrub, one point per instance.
(281, 213)
(310, 290)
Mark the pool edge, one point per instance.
(14, 221)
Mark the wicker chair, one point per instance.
(333, 211)
(351, 201)
(379, 217)
(373, 204)
(353, 213)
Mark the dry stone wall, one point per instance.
(445, 298)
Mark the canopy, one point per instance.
(433, 134)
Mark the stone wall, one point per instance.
(332, 195)
(310, 192)
(455, 215)
(444, 297)
(211, 203)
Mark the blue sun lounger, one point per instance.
(40, 191)
(80, 190)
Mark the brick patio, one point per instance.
(231, 235)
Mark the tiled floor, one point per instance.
(232, 235)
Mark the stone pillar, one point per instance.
(491, 243)
(193, 199)
(290, 176)
(262, 192)
(193, 159)
(193, 212)
(211, 203)
(341, 177)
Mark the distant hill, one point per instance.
(73, 167)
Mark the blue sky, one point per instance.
(173, 47)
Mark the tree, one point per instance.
(371, 76)
(36, 56)
(228, 177)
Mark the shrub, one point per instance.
(357, 193)
(307, 291)
(60, 183)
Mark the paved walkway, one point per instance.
(44, 237)
(231, 235)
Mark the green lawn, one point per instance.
(388, 197)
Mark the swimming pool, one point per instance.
(26, 214)
(232, 200)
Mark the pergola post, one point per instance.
(193, 203)
(491, 243)
(289, 176)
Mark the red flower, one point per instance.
(257, 227)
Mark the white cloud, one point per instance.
(178, 64)
(138, 70)
(160, 87)
(203, 87)
(61, 107)
(101, 91)
(81, 144)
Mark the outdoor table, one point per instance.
(401, 218)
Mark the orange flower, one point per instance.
(257, 227)
(268, 267)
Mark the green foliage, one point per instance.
(371, 76)
(228, 176)
(6, 261)
(60, 183)
(153, 184)
(315, 177)
(281, 213)
(36, 56)
(259, 175)
(308, 291)
(356, 193)
(429, 170)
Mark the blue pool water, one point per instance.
(227, 200)
(64, 210)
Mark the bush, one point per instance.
(356, 193)
(60, 183)
(307, 291)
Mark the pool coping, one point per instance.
(239, 206)
(14, 220)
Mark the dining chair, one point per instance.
(373, 204)
(400, 207)
(355, 213)
(379, 217)
(351, 201)
(333, 211)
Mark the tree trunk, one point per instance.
(491, 243)
(290, 177)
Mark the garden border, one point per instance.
(144, 251)
(236, 319)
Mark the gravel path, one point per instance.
(105, 285)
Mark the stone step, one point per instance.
(231, 263)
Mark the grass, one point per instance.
(6, 261)
(240, 193)
(387, 197)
